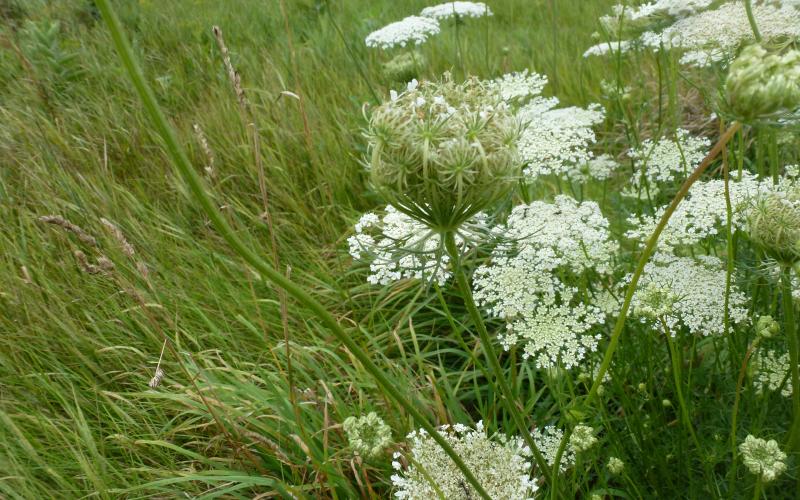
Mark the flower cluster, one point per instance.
(690, 293)
(556, 141)
(548, 440)
(582, 438)
(443, 151)
(615, 466)
(502, 466)
(771, 372)
(773, 223)
(368, 435)
(665, 160)
(413, 30)
(763, 458)
(764, 86)
(398, 247)
(702, 214)
(457, 9)
(545, 244)
(705, 31)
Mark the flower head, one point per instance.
(582, 438)
(457, 9)
(548, 440)
(368, 435)
(764, 458)
(774, 224)
(764, 86)
(502, 466)
(441, 151)
(615, 466)
(413, 30)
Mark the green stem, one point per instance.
(791, 337)
(181, 161)
(748, 7)
(648, 251)
(676, 376)
(735, 416)
(757, 490)
(494, 363)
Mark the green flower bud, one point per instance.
(441, 152)
(615, 466)
(767, 327)
(774, 225)
(368, 435)
(404, 67)
(763, 86)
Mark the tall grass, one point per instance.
(252, 399)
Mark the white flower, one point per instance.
(518, 87)
(457, 9)
(398, 247)
(703, 214)
(502, 466)
(696, 288)
(522, 283)
(555, 141)
(771, 371)
(665, 160)
(582, 438)
(548, 440)
(615, 465)
(763, 458)
(612, 46)
(714, 35)
(412, 30)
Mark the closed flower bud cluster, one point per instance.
(763, 86)
(774, 225)
(443, 151)
(368, 435)
(767, 327)
(404, 67)
(582, 438)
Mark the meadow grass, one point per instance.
(241, 412)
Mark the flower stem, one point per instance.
(648, 251)
(197, 188)
(791, 337)
(486, 343)
(748, 7)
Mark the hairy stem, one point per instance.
(791, 337)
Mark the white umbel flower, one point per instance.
(696, 288)
(703, 214)
(502, 466)
(413, 30)
(398, 247)
(368, 435)
(555, 141)
(665, 160)
(522, 284)
(457, 9)
(771, 370)
(763, 458)
(548, 440)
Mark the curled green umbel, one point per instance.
(774, 225)
(764, 86)
(443, 151)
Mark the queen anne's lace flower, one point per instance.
(555, 141)
(412, 30)
(398, 247)
(520, 86)
(368, 435)
(548, 440)
(522, 284)
(714, 35)
(457, 9)
(502, 466)
(582, 438)
(615, 466)
(703, 214)
(665, 160)
(763, 458)
(696, 291)
(771, 370)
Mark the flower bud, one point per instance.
(441, 152)
(774, 225)
(767, 327)
(404, 67)
(763, 86)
